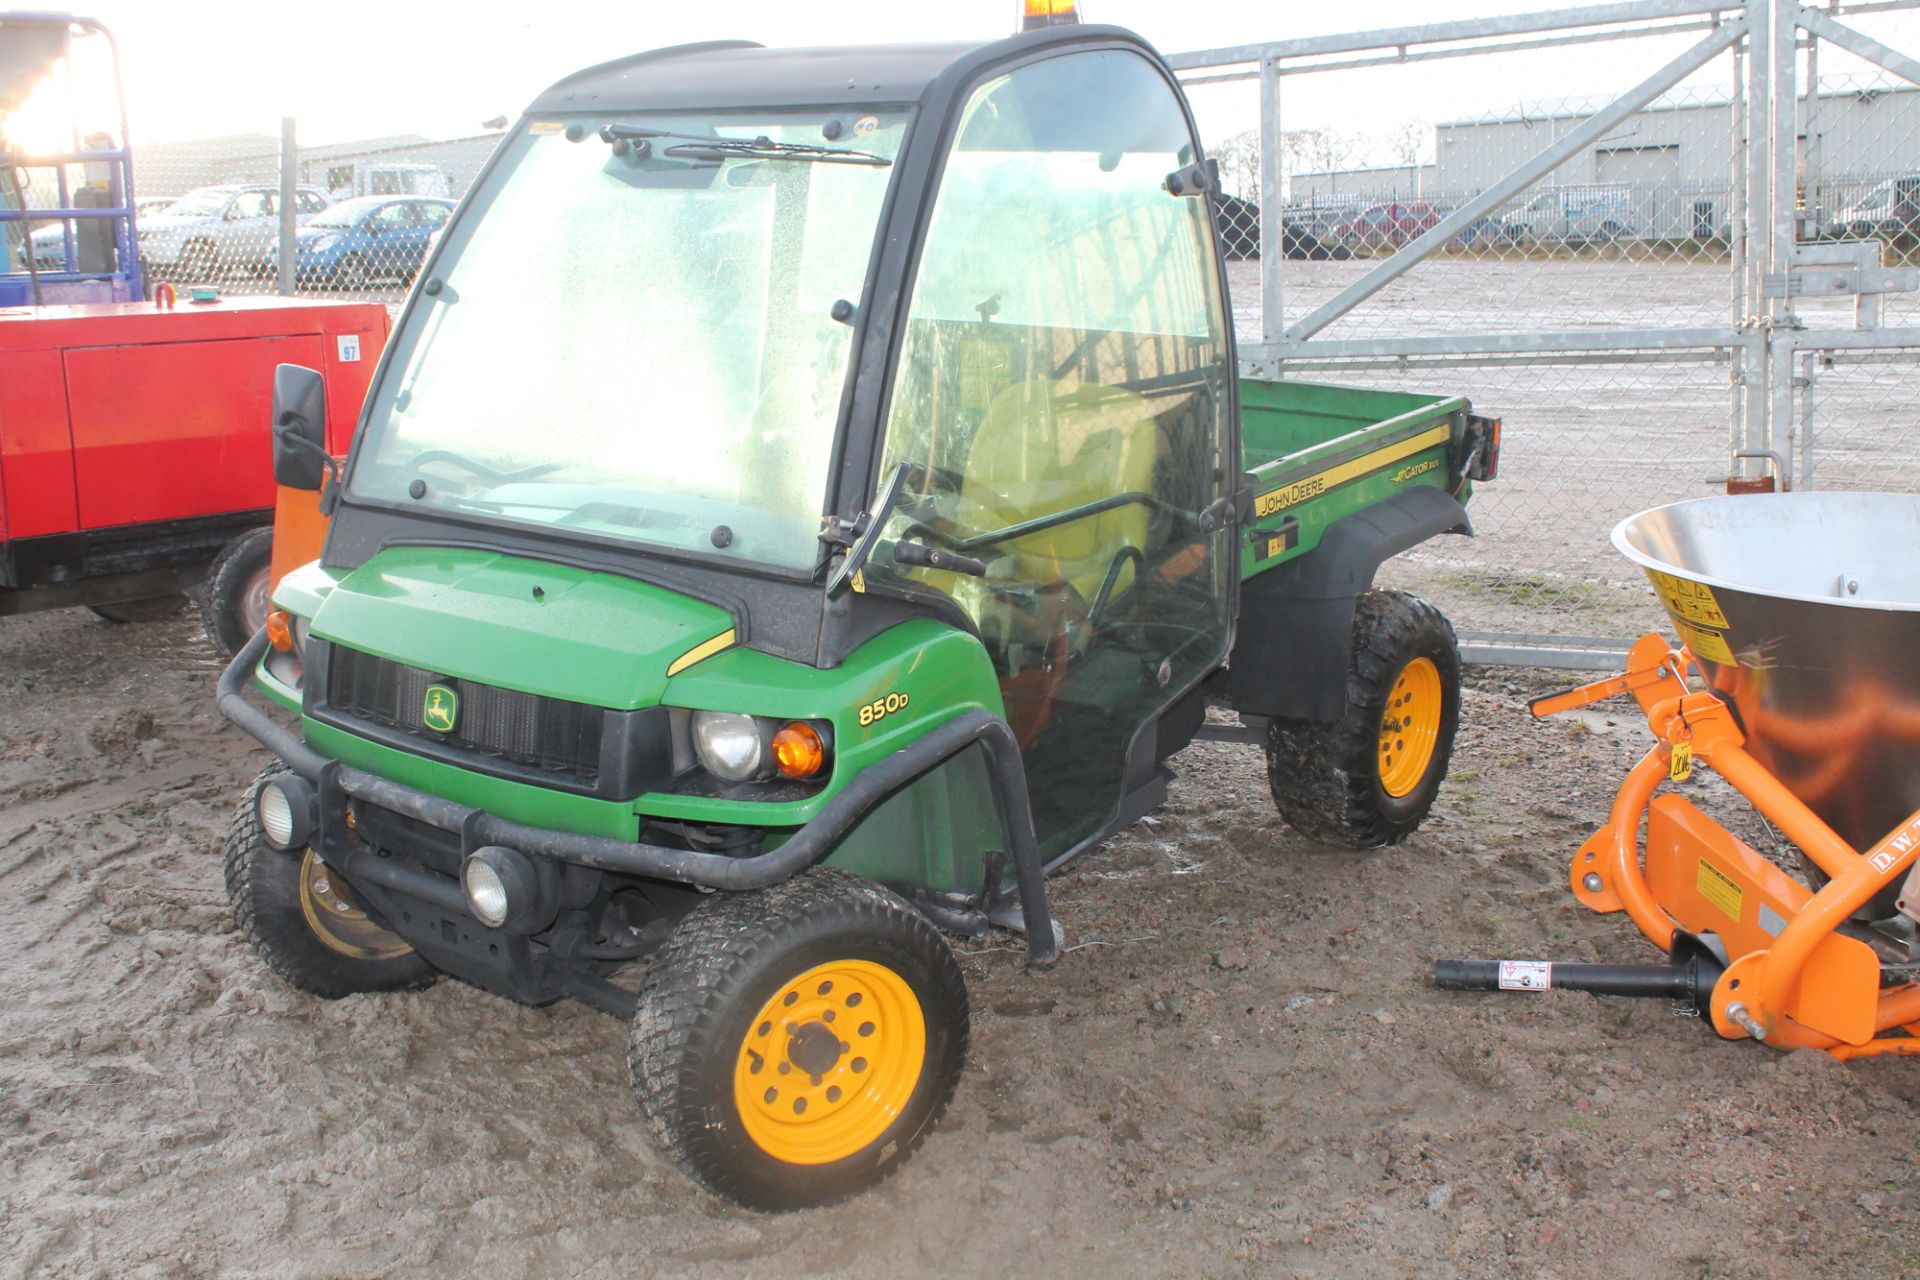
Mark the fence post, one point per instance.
(1750, 434)
(289, 208)
(1272, 215)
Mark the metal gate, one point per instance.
(1702, 281)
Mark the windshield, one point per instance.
(199, 204)
(641, 338)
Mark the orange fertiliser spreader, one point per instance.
(1797, 680)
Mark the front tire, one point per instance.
(238, 586)
(1370, 778)
(304, 919)
(793, 1045)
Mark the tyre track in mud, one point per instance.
(1237, 1069)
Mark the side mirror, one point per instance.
(299, 427)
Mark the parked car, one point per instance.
(1238, 222)
(1578, 214)
(366, 238)
(214, 231)
(1387, 225)
(50, 243)
(1891, 208)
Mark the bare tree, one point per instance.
(1239, 159)
(1315, 150)
(1408, 143)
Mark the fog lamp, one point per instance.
(500, 885)
(284, 807)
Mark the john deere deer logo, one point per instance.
(441, 709)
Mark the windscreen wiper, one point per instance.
(694, 146)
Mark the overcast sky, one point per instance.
(196, 68)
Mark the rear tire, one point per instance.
(304, 920)
(872, 1048)
(238, 584)
(1370, 778)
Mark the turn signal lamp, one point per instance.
(799, 751)
(1035, 14)
(280, 630)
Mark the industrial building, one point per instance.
(1676, 159)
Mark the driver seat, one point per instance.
(1048, 446)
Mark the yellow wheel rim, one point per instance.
(830, 1062)
(337, 918)
(1409, 727)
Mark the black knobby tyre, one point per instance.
(700, 1020)
(235, 605)
(1346, 782)
(281, 900)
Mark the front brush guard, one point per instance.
(803, 849)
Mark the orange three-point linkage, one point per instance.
(1794, 981)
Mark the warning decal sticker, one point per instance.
(1719, 889)
(1690, 600)
(1526, 975)
(1696, 616)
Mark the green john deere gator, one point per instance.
(806, 499)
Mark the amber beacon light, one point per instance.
(1035, 14)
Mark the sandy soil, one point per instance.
(1238, 1070)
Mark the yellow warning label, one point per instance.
(1719, 889)
(1692, 601)
(1680, 763)
(1711, 645)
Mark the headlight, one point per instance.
(500, 884)
(727, 744)
(284, 808)
(485, 893)
(320, 244)
(276, 817)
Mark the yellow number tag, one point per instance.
(1680, 766)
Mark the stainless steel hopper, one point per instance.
(1804, 609)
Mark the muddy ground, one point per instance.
(1238, 1069)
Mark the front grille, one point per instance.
(551, 735)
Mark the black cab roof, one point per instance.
(740, 73)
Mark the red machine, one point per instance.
(135, 448)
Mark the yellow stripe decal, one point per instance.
(1313, 486)
(705, 649)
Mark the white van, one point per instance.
(349, 179)
(1571, 213)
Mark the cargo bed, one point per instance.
(1315, 453)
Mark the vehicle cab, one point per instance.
(800, 504)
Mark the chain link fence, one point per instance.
(1595, 270)
(1606, 303)
(364, 212)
